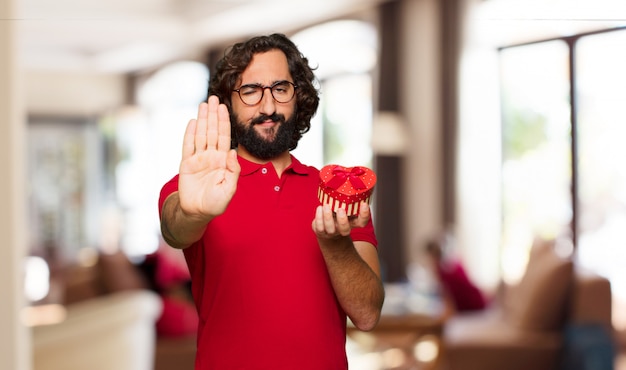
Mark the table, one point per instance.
(408, 335)
(410, 341)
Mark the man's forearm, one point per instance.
(179, 230)
(358, 287)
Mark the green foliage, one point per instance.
(523, 130)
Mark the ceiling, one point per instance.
(121, 36)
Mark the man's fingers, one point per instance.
(223, 121)
(200, 139)
(318, 221)
(338, 223)
(211, 128)
(189, 139)
(363, 217)
(342, 223)
(329, 219)
(331, 223)
(232, 164)
(212, 133)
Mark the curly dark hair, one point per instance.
(237, 58)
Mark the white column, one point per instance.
(15, 346)
(420, 104)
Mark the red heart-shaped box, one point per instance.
(346, 187)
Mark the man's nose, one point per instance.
(268, 104)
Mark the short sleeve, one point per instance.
(167, 189)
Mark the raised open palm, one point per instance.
(209, 168)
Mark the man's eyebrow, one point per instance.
(260, 84)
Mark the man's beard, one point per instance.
(277, 141)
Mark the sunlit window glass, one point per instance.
(344, 55)
(536, 168)
(150, 136)
(348, 120)
(601, 93)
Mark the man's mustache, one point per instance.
(276, 117)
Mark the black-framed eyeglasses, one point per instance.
(282, 92)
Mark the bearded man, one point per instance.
(274, 273)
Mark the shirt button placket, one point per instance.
(264, 171)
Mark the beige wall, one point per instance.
(14, 339)
(72, 94)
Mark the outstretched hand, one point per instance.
(209, 168)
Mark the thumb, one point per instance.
(232, 164)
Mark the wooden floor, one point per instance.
(389, 359)
(364, 354)
(409, 341)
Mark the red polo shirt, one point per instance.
(259, 279)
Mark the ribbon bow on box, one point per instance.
(343, 174)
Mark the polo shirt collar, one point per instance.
(248, 167)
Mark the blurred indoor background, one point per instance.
(499, 121)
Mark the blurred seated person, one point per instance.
(168, 275)
(460, 293)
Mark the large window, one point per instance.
(344, 53)
(149, 140)
(563, 132)
(601, 126)
(536, 145)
